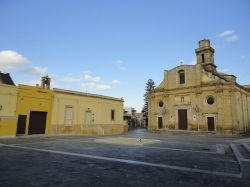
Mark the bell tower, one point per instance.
(205, 55)
(45, 82)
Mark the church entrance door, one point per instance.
(160, 123)
(182, 117)
(210, 123)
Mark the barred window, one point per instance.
(112, 114)
(68, 115)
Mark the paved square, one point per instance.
(175, 159)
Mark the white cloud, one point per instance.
(103, 87)
(93, 82)
(94, 85)
(229, 36)
(37, 70)
(226, 33)
(116, 81)
(232, 38)
(10, 60)
(88, 77)
(96, 79)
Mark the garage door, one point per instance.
(37, 123)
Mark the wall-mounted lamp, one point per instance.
(1, 107)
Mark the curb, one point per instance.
(244, 163)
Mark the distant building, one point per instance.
(133, 118)
(5, 78)
(199, 98)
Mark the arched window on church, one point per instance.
(181, 76)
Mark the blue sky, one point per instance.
(113, 47)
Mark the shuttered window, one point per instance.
(182, 77)
(68, 115)
(112, 114)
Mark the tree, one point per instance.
(150, 85)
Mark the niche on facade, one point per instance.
(182, 100)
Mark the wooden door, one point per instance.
(210, 123)
(182, 116)
(160, 123)
(88, 118)
(37, 123)
(21, 124)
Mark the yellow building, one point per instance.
(28, 110)
(8, 119)
(85, 113)
(199, 98)
(33, 109)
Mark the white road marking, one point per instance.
(120, 145)
(175, 149)
(179, 168)
(51, 141)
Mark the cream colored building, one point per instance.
(199, 98)
(84, 113)
(8, 118)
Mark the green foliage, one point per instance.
(150, 85)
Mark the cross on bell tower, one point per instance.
(205, 55)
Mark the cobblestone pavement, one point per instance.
(178, 159)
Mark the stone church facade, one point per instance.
(199, 98)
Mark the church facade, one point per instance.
(199, 98)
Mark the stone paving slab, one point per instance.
(127, 141)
